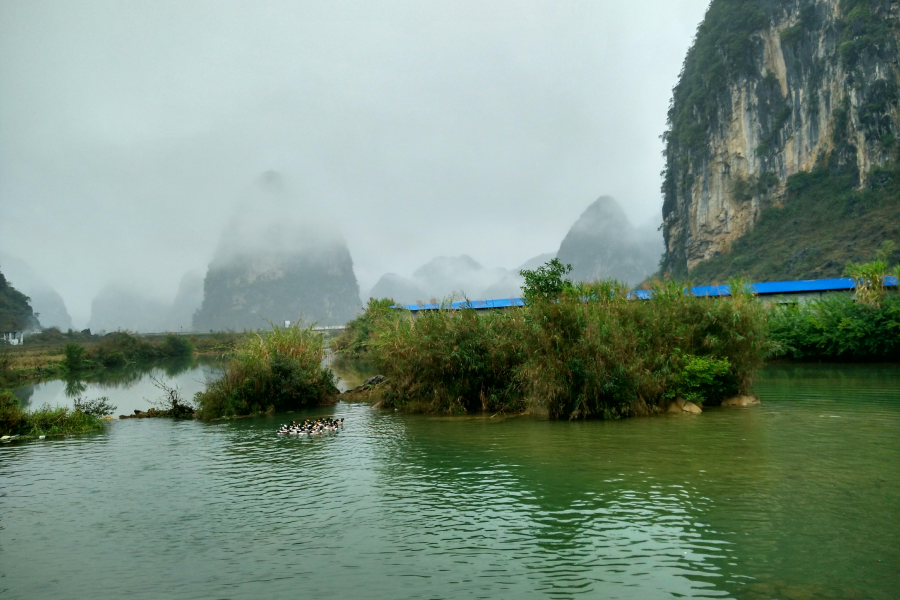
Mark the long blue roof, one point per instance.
(770, 288)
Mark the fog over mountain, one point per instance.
(604, 244)
(279, 258)
(45, 301)
(422, 128)
(455, 276)
(118, 308)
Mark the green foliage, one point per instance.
(355, 338)
(451, 361)
(869, 278)
(175, 345)
(278, 370)
(614, 357)
(744, 188)
(13, 420)
(45, 420)
(704, 378)
(546, 282)
(836, 327)
(98, 407)
(866, 30)
(588, 352)
(5, 369)
(723, 50)
(824, 223)
(15, 310)
(74, 360)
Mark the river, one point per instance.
(798, 498)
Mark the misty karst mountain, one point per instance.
(187, 301)
(604, 244)
(278, 259)
(117, 308)
(15, 312)
(457, 276)
(399, 288)
(45, 301)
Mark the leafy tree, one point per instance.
(547, 281)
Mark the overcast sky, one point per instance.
(129, 131)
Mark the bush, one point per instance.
(45, 420)
(590, 352)
(99, 407)
(838, 328)
(451, 361)
(279, 370)
(74, 360)
(612, 357)
(355, 338)
(13, 419)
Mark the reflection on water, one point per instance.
(352, 372)
(128, 387)
(797, 498)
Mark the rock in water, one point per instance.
(741, 401)
(604, 244)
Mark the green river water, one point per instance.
(798, 498)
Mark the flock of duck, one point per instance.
(317, 427)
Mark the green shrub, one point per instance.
(451, 361)
(611, 357)
(176, 345)
(704, 379)
(546, 282)
(45, 420)
(589, 352)
(13, 419)
(279, 370)
(99, 407)
(74, 360)
(355, 338)
(836, 327)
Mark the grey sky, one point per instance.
(130, 131)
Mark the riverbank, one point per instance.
(53, 354)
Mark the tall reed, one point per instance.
(277, 370)
(579, 351)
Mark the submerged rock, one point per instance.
(680, 406)
(741, 401)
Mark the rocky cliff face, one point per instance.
(771, 88)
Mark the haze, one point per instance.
(130, 132)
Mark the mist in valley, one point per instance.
(176, 166)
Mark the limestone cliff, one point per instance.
(771, 88)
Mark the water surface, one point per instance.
(797, 498)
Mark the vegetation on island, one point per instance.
(274, 371)
(576, 350)
(83, 417)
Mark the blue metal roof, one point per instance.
(770, 288)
